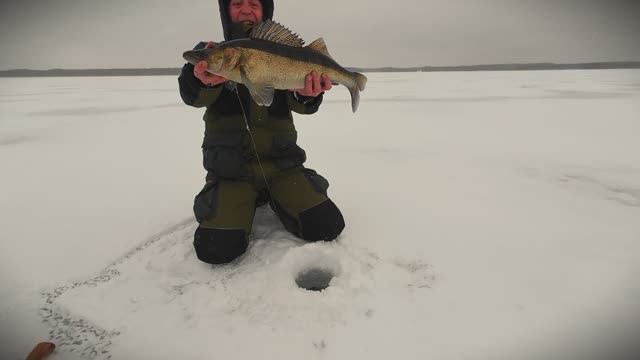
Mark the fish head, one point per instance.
(230, 59)
(195, 56)
(220, 61)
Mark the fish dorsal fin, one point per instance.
(319, 46)
(272, 31)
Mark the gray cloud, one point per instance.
(43, 34)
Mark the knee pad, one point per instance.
(219, 246)
(323, 222)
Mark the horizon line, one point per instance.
(166, 71)
(358, 67)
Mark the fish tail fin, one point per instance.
(355, 97)
(361, 80)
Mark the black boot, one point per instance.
(323, 222)
(219, 246)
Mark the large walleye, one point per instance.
(272, 57)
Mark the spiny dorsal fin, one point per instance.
(272, 31)
(319, 46)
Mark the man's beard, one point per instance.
(241, 29)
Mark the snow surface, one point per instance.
(490, 215)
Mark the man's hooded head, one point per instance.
(234, 31)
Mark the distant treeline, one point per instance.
(176, 71)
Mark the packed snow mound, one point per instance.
(161, 282)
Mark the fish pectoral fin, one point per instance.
(261, 93)
(319, 46)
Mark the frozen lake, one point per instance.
(490, 215)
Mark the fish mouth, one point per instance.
(195, 56)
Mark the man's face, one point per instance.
(249, 11)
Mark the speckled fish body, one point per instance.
(264, 63)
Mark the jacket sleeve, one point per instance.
(192, 91)
(304, 104)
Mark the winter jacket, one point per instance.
(227, 148)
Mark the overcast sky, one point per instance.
(43, 34)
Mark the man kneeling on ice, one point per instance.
(247, 168)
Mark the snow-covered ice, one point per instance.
(491, 215)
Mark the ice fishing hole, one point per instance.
(315, 279)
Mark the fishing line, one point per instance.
(253, 143)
